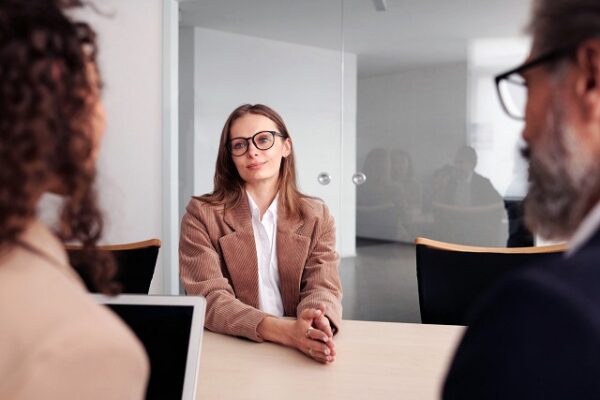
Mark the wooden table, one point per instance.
(375, 360)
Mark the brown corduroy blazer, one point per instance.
(217, 257)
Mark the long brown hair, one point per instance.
(48, 74)
(229, 185)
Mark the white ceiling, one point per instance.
(408, 34)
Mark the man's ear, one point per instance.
(587, 84)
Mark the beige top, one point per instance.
(55, 341)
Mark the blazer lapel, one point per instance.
(239, 252)
(292, 252)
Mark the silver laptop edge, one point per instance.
(190, 381)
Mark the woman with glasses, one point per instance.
(257, 248)
(56, 342)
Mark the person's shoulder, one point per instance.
(105, 335)
(539, 291)
(95, 346)
(201, 207)
(52, 316)
(580, 272)
(204, 203)
(313, 207)
(586, 255)
(107, 339)
(480, 178)
(528, 314)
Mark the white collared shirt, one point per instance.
(265, 237)
(586, 230)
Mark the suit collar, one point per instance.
(285, 224)
(588, 230)
(239, 218)
(292, 252)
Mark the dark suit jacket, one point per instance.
(217, 257)
(483, 192)
(537, 336)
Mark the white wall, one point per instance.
(304, 85)
(130, 160)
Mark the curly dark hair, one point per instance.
(49, 86)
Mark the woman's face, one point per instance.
(258, 166)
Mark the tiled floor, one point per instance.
(380, 283)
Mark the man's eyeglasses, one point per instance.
(262, 140)
(512, 88)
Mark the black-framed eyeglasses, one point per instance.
(511, 86)
(262, 140)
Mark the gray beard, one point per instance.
(564, 179)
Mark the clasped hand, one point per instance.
(312, 335)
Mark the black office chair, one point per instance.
(452, 278)
(135, 263)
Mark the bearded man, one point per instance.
(537, 336)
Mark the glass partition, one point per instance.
(436, 154)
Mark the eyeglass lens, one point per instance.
(262, 141)
(513, 92)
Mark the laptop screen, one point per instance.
(170, 329)
(165, 333)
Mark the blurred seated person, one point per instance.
(378, 202)
(56, 342)
(377, 188)
(465, 206)
(402, 177)
(470, 188)
(439, 190)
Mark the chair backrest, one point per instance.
(135, 263)
(451, 278)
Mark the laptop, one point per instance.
(170, 328)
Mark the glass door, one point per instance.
(435, 155)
